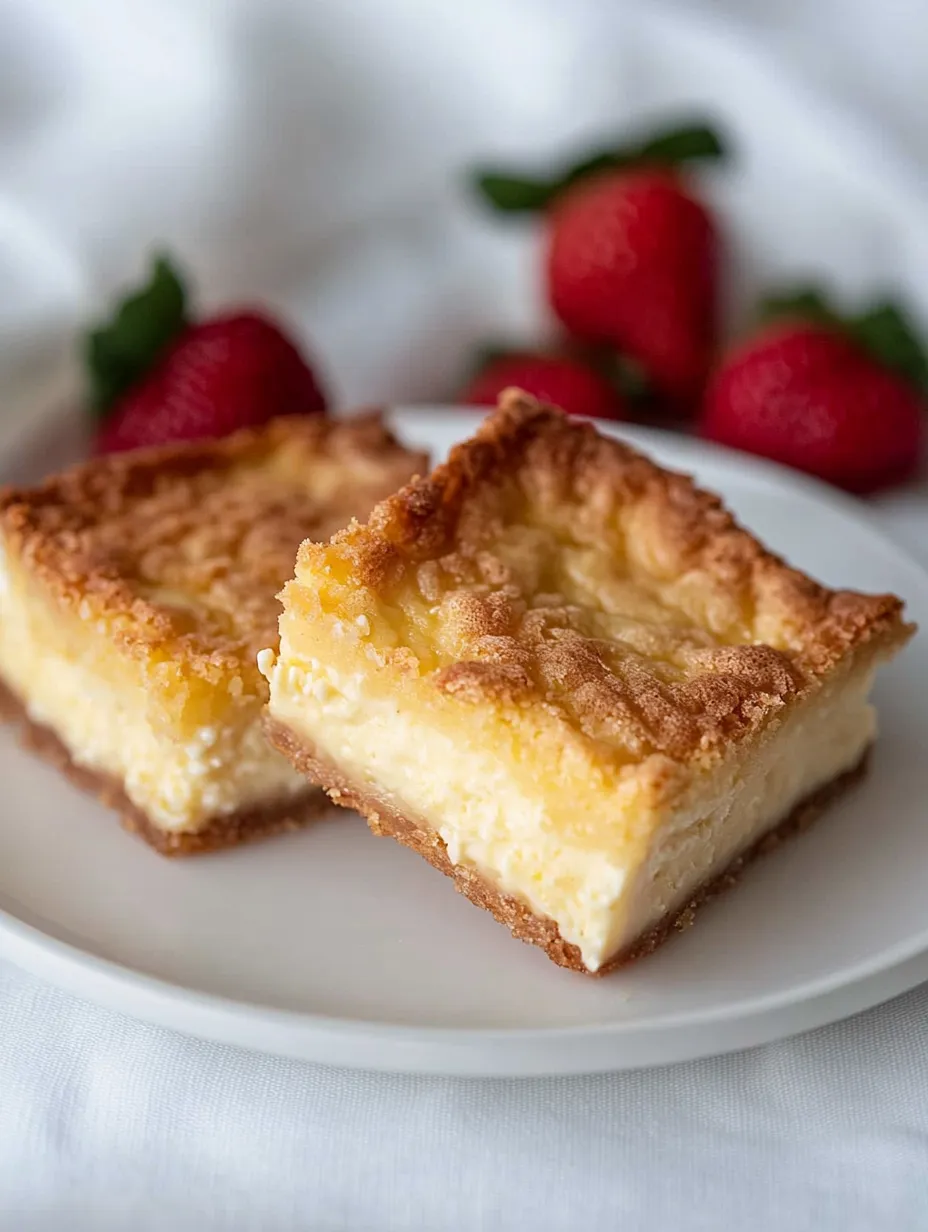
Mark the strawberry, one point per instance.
(631, 261)
(562, 381)
(839, 398)
(157, 377)
(631, 255)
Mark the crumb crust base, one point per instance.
(223, 831)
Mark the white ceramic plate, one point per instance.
(336, 947)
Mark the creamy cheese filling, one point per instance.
(597, 878)
(821, 739)
(71, 679)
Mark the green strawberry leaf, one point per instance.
(802, 303)
(689, 143)
(514, 194)
(632, 380)
(671, 148)
(625, 375)
(604, 160)
(121, 350)
(886, 331)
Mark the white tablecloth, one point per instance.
(106, 1123)
(110, 1125)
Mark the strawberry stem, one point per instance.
(670, 148)
(121, 350)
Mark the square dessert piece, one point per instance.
(571, 681)
(135, 593)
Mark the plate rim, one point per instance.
(500, 1051)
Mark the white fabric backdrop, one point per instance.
(201, 123)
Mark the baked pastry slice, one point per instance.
(135, 593)
(570, 680)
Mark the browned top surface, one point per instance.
(546, 563)
(183, 548)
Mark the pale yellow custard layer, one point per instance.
(180, 770)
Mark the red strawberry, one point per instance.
(159, 379)
(564, 382)
(631, 261)
(819, 395)
(631, 256)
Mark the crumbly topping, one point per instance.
(546, 563)
(182, 549)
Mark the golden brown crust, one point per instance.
(722, 632)
(227, 831)
(384, 819)
(183, 548)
